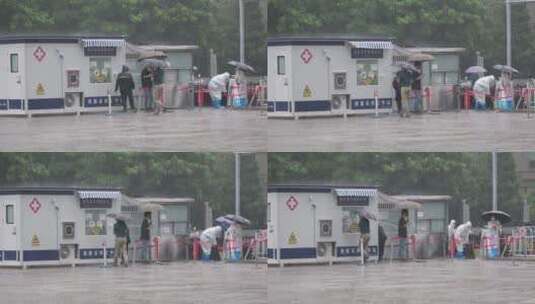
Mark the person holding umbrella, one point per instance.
(122, 239)
(403, 234)
(159, 88)
(405, 76)
(145, 237)
(382, 241)
(125, 84)
(146, 83)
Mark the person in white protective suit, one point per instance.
(217, 85)
(483, 88)
(462, 234)
(209, 239)
(451, 238)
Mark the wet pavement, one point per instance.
(181, 130)
(187, 283)
(444, 132)
(433, 281)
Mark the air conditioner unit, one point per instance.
(340, 81)
(326, 228)
(339, 103)
(73, 100)
(325, 250)
(68, 253)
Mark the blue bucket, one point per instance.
(239, 102)
(505, 105)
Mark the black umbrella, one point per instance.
(500, 216)
(242, 66)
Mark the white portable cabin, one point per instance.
(56, 226)
(322, 76)
(319, 224)
(59, 74)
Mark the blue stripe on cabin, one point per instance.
(101, 101)
(298, 253)
(369, 104)
(10, 255)
(41, 255)
(45, 104)
(278, 106)
(95, 253)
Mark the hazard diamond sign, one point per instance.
(39, 54)
(292, 203)
(306, 56)
(35, 205)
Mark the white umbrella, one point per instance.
(242, 66)
(156, 63)
(475, 70)
(505, 68)
(151, 207)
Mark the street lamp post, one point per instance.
(242, 31)
(494, 182)
(237, 181)
(508, 4)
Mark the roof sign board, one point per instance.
(354, 197)
(95, 203)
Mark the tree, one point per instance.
(478, 25)
(207, 23)
(206, 177)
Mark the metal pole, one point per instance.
(508, 32)
(237, 182)
(242, 32)
(494, 181)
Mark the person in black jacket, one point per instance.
(402, 234)
(397, 89)
(382, 241)
(146, 83)
(364, 225)
(145, 238)
(125, 84)
(122, 238)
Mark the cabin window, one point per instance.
(100, 70)
(95, 222)
(350, 220)
(367, 72)
(281, 65)
(269, 212)
(14, 59)
(10, 214)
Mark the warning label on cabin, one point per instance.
(40, 90)
(292, 203)
(35, 241)
(35, 205)
(307, 92)
(292, 240)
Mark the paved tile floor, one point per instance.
(444, 132)
(181, 130)
(434, 281)
(187, 283)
